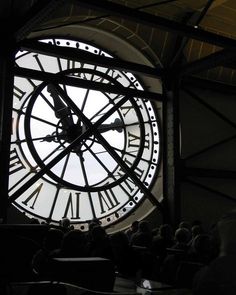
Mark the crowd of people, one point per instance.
(188, 256)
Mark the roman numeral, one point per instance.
(18, 92)
(15, 162)
(127, 182)
(72, 206)
(114, 74)
(134, 140)
(38, 62)
(70, 64)
(34, 196)
(110, 73)
(126, 109)
(107, 200)
(139, 172)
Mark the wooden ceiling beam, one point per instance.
(217, 86)
(219, 58)
(36, 15)
(155, 21)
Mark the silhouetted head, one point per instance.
(185, 224)
(166, 231)
(98, 233)
(134, 225)
(182, 235)
(65, 222)
(119, 239)
(144, 226)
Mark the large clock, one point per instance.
(78, 152)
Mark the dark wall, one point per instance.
(208, 129)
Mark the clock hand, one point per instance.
(50, 137)
(62, 111)
(116, 125)
(54, 137)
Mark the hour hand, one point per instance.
(116, 125)
(61, 110)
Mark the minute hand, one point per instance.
(61, 110)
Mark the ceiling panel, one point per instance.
(153, 42)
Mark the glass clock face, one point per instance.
(71, 145)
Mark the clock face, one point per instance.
(77, 151)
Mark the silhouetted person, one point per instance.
(99, 245)
(195, 231)
(91, 225)
(201, 249)
(74, 244)
(219, 277)
(143, 237)
(182, 237)
(132, 229)
(124, 257)
(141, 241)
(65, 224)
(185, 224)
(199, 255)
(175, 255)
(51, 242)
(164, 239)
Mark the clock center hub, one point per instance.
(73, 132)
